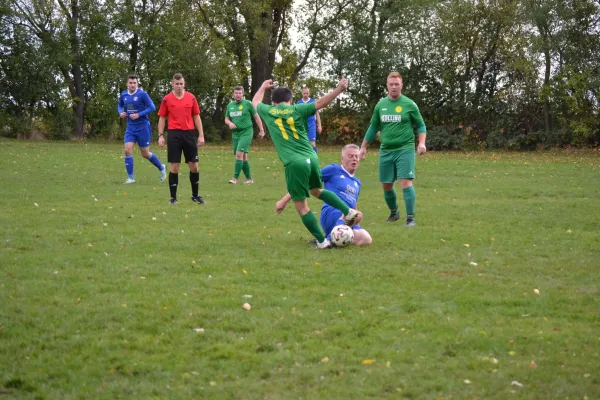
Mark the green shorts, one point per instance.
(301, 176)
(399, 164)
(242, 141)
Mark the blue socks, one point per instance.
(155, 161)
(129, 165)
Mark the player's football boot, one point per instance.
(198, 200)
(163, 173)
(393, 217)
(233, 181)
(326, 244)
(129, 180)
(353, 217)
(248, 181)
(410, 222)
(173, 202)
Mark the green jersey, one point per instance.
(396, 120)
(288, 129)
(240, 113)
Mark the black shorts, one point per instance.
(178, 141)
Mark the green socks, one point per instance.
(410, 198)
(238, 168)
(334, 201)
(310, 222)
(390, 199)
(246, 169)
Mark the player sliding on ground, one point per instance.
(341, 180)
(287, 126)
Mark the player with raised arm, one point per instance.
(341, 180)
(135, 105)
(238, 118)
(396, 117)
(287, 125)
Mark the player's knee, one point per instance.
(405, 183)
(239, 155)
(174, 168)
(193, 167)
(316, 192)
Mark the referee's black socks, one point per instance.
(173, 182)
(195, 181)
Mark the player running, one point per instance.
(287, 125)
(136, 105)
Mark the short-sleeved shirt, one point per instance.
(137, 102)
(310, 121)
(240, 113)
(345, 185)
(179, 112)
(396, 120)
(287, 127)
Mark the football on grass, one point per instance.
(342, 235)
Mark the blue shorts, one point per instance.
(330, 217)
(140, 134)
(312, 133)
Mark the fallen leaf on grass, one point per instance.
(244, 271)
(516, 383)
(325, 359)
(468, 382)
(473, 264)
(199, 330)
(536, 291)
(246, 306)
(368, 361)
(467, 245)
(532, 365)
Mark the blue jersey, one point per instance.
(138, 102)
(311, 122)
(340, 182)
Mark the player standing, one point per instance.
(287, 125)
(341, 180)
(238, 118)
(181, 108)
(314, 121)
(136, 105)
(395, 117)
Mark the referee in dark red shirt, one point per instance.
(181, 109)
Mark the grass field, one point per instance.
(107, 292)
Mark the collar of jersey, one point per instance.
(131, 94)
(342, 167)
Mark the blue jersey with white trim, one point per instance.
(137, 102)
(340, 182)
(310, 121)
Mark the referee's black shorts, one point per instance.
(182, 141)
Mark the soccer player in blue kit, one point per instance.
(341, 180)
(313, 123)
(136, 105)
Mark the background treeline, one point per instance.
(514, 74)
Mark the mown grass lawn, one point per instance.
(107, 292)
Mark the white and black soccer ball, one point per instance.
(342, 235)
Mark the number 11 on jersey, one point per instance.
(290, 123)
